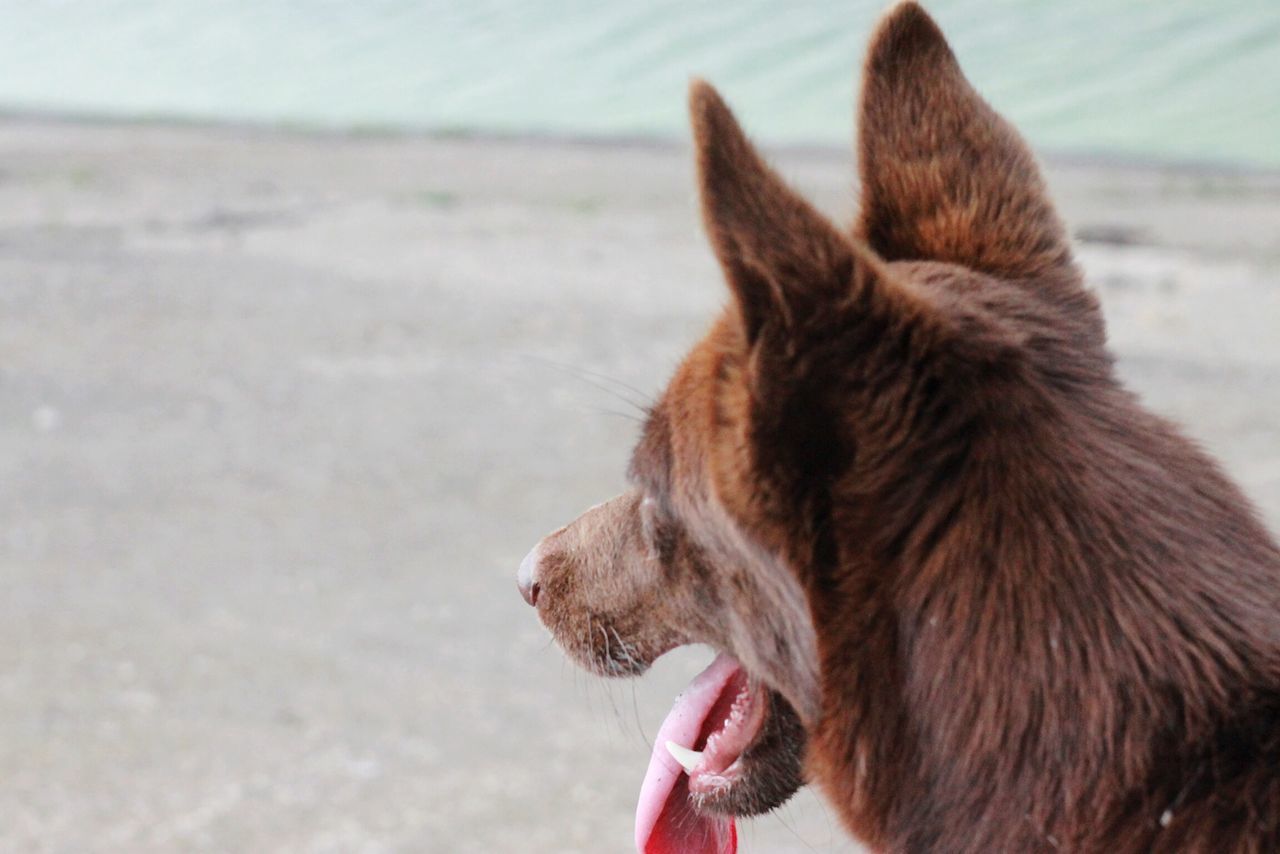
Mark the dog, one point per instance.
(957, 576)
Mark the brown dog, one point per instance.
(960, 579)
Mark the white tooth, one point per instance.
(688, 759)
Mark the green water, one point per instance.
(1178, 79)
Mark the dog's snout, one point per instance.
(527, 577)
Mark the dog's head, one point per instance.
(799, 440)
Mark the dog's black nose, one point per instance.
(527, 577)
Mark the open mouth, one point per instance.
(723, 732)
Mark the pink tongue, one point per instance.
(680, 830)
(665, 819)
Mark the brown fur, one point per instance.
(1007, 608)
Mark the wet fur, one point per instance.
(1008, 608)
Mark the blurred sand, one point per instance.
(280, 414)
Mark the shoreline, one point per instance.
(1051, 158)
(1106, 200)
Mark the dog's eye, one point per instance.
(652, 525)
(648, 518)
(657, 528)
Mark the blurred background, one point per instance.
(315, 316)
(1176, 79)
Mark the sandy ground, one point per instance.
(280, 414)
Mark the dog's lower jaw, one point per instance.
(769, 771)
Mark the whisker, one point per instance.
(641, 401)
(627, 415)
(635, 710)
(608, 652)
(786, 818)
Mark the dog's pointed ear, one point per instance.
(781, 257)
(944, 177)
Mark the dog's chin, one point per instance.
(766, 774)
